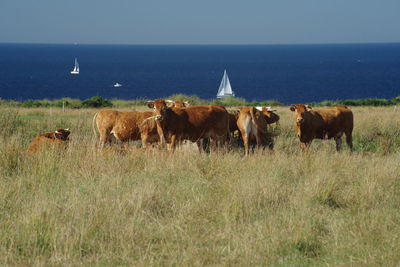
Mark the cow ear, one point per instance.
(292, 107)
(150, 104)
(308, 108)
(170, 104)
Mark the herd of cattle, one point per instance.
(172, 122)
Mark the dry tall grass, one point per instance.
(83, 206)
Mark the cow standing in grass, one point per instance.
(57, 138)
(323, 123)
(123, 125)
(253, 124)
(148, 128)
(192, 123)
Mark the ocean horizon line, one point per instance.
(205, 44)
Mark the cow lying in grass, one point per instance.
(46, 140)
(323, 123)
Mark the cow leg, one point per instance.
(203, 145)
(338, 143)
(144, 141)
(260, 138)
(349, 140)
(245, 138)
(200, 145)
(305, 145)
(173, 142)
(104, 138)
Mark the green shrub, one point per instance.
(230, 102)
(68, 103)
(96, 102)
(270, 103)
(127, 103)
(192, 99)
(31, 104)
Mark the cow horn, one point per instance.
(67, 129)
(308, 107)
(259, 108)
(169, 101)
(57, 132)
(149, 118)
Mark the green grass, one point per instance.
(84, 206)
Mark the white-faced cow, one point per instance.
(323, 123)
(192, 123)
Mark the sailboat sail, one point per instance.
(76, 68)
(225, 88)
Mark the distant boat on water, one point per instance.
(117, 85)
(225, 89)
(76, 68)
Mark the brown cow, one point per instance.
(323, 123)
(148, 128)
(178, 103)
(123, 125)
(233, 117)
(193, 123)
(253, 124)
(56, 138)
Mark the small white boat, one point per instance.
(76, 68)
(225, 89)
(117, 85)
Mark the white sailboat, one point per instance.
(225, 89)
(76, 68)
(117, 85)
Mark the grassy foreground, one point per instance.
(83, 206)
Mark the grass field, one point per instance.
(83, 206)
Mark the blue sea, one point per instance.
(287, 73)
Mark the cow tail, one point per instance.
(252, 110)
(228, 136)
(93, 124)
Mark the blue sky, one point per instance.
(200, 21)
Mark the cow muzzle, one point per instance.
(300, 120)
(158, 118)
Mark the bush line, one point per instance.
(98, 101)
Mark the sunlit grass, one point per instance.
(84, 206)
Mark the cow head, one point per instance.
(270, 115)
(301, 114)
(160, 107)
(62, 134)
(181, 104)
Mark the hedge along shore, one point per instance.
(98, 101)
